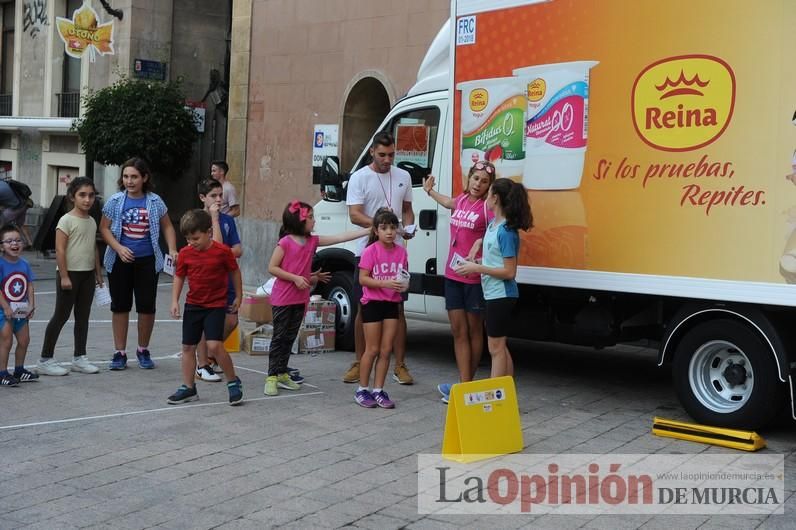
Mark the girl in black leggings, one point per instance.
(78, 273)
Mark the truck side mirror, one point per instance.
(332, 188)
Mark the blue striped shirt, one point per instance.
(113, 211)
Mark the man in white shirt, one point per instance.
(371, 187)
(229, 198)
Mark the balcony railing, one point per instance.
(5, 104)
(68, 104)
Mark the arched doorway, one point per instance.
(367, 105)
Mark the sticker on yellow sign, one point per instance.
(84, 33)
(483, 420)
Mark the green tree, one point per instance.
(139, 118)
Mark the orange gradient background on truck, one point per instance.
(681, 198)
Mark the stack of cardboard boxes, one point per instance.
(318, 330)
(255, 324)
(316, 335)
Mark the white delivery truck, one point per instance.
(656, 140)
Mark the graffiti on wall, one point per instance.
(34, 17)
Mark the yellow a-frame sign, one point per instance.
(483, 420)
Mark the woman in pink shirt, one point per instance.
(384, 275)
(464, 298)
(291, 264)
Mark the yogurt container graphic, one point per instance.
(556, 123)
(493, 123)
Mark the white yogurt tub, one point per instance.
(492, 125)
(556, 123)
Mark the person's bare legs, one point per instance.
(146, 321)
(188, 364)
(372, 332)
(388, 331)
(359, 335)
(215, 348)
(120, 324)
(399, 344)
(461, 343)
(501, 358)
(475, 327)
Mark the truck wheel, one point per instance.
(726, 376)
(340, 290)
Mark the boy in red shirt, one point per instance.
(208, 265)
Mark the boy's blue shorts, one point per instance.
(16, 323)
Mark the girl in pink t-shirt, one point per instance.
(383, 274)
(291, 265)
(464, 298)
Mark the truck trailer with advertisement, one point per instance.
(657, 143)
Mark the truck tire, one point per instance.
(340, 290)
(726, 376)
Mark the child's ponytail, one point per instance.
(513, 199)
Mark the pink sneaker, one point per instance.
(365, 399)
(383, 400)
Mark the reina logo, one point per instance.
(536, 90)
(683, 103)
(479, 98)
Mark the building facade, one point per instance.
(43, 76)
(306, 63)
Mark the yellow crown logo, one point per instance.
(536, 90)
(479, 98)
(683, 103)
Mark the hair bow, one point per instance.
(296, 207)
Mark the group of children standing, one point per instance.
(134, 218)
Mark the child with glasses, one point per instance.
(17, 302)
(464, 298)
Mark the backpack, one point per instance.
(22, 191)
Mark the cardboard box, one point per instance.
(258, 340)
(255, 307)
(316, 340)
(320, 314)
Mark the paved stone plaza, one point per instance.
(106, 451)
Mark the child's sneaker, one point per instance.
(295, 375)
(445, 390)
(271, 387)
(365, 399)
(7, 379)
(184, 394)
(50, 367)
(383, 400)
(284, 381)
(215, 366)
(206, 373)
(81, 364)
(144, 360)
(24, 376)
(119, 361)
(235, 389)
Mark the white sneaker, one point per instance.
(81, 364)
(205, 373)
(50, 367)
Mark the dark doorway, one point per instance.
(367, 105)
